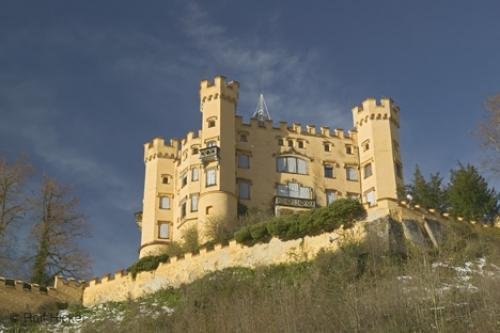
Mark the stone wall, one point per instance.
(21, 297)
(122, 286)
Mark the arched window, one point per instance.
(291, 164)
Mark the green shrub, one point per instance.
(190, 239)
(147, 263)
(243, 235)
(258, 231)
(342, 212)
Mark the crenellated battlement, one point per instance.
(219, 88)
(16, 295)
(297, 128)
(373, 109)
(158, 148)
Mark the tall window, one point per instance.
(351, 173)
(326, 146)
(211, 177)
(348, 149)
(194, 202)
(328, 171)
(164, 202)
(243, 161)
(243, 138)
(330, 196)
(163, 230)
(195, 174)
(280, 142)
(183, 209)
(292, 165)
(290, 143)
(367, 170)
(370, 196)
(294, 190)
(244, 189)
(211, 123)
(300, 144)
(366, 145)
(184, 180)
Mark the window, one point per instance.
(290, 143)
(165, 180)
(183, 209)
(194, 202)
(330, 197)
(367, 170)
(300, 144)
(184, 180)
(163, 230)
(370, 197)
(211, 123)
(211, 177)
(351, 173)
(194, 151)
(326, 146)
(211, 143)
(243, 138)
(292, 165)
(348, 150)
(294, 190)
(164, 202)
(353, 196)
(399, 169)
(366, 145)
(243, 189)
(195, 174)
(328, 171)
(280, 142)
(243, 161)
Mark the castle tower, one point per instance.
(377, 125)
(155, 223)
(218, 197)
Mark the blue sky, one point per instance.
(84, 84)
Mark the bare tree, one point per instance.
(489, 133)
(13, 203)
(58, 227)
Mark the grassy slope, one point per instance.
(356, 289)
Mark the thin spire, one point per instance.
(261, 112)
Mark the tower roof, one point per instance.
(261, 112)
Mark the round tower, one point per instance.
(157, 214)
(218, 197)
(377, 126)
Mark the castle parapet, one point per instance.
(219, 88)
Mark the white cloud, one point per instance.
(293, 84)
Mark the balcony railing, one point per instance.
(294, 202)
(209, 154)
(138, 218)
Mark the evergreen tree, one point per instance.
(469, 196)
(418, 189)
(427, 194)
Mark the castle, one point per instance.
(229, 165)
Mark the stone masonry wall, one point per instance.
(122, 286)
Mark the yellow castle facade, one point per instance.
(230, 164)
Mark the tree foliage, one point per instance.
(469, 196)
(430, 194)
(58, 226)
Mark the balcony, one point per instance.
(138, 219)
(294, 202)
(209, 154)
